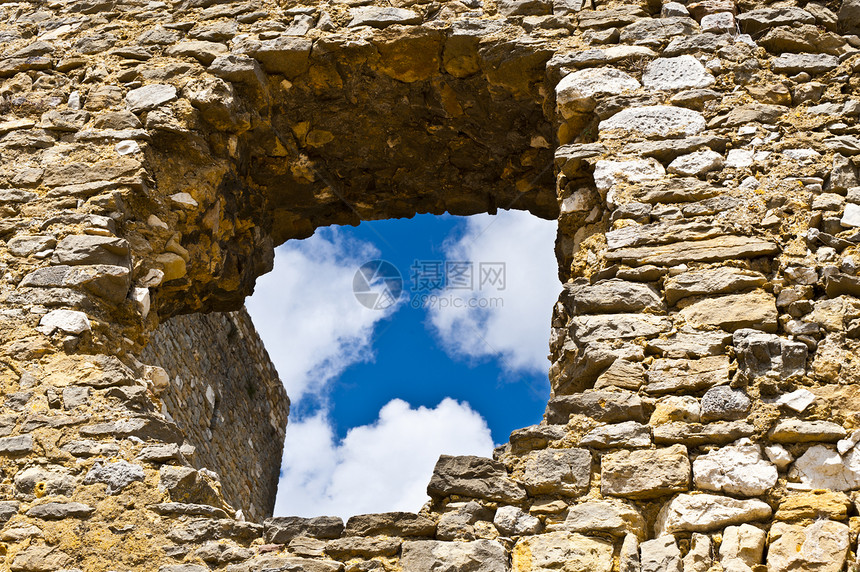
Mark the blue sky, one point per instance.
(379, 394)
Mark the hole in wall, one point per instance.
(456, 364)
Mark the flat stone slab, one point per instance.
(605, 406)
(578, 91)
(559, 550)
(710, 282)
(688, 376)
(613, 296)
(681, 72)
(811, 63)
(653, 121)
(709, 250)
(694, 434)
(798, 431)
(613, 326)
(558, 471)
(380, 17)
(149, 97)
(611, 516)
(755, 310)
(476, 477)
(645, 474)
(477, 556)
(707, 512)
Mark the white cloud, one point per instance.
(516, 331)
(380, 467)
(306, 311)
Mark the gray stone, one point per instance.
(696, 164)
(645, 474)
(239, 69)
(68, 321)
(8, 509)
(149, 97)
(691, 344)
(848, 19)
(694, 434)
(75, 396)
(761, 354)
(459, 524)
(738, 470)
(707, 512)
(681, 72)
(653, 121)
(579, 91)
(660, 233)
(19, 445)
(559, 550)
(604, 406)
(188, 509)
(798, 431)
(389, 524)
(629, 434)
(89, 249)
(723, 402)
(723, 280)
(116, 475)
(609, 516)
(25, 245)
(558, 471)
(660, 555)
(284, 55)
(690, 376)
(282, 529)
(357, 547)
(810, 63)
(60, 510)
(478, 556)
(476, 477)
(617, 326)
(756, 21)
(525, 7)
(512, 521)
(613, 296)
(380, 17)
(709, 250)
(40, 559)
(656, 31)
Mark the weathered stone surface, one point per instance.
(797, 431)
(566, 551)
(610, 173)
(86, 249)
(67, 321)
(579, 91)
(675, 408)
(822, 467)
(60, 510)
(737, 470)
(40, 559)
(735, 311)
(629, 434)
(653, 121)
(743, 545)
(623, 374)
(699, 558)
(682, 72)
(389, 524)
(689, 343)
(357, 547)
(116, 475)
(605, 406)
(474, 477)
(820, 547)
(284, 55)
(613, 296)
(558, 471)
(696, 164)
(282, 529)
(380, 17)
(478, 556)
(19, 445)
(608, 516)
(814, 504)
(645, 474)
(709, 282)
(660, 555)
(711, 250)
(761, 354)
(811, 63)
(706, 512)
(512, 521)
(723, 402)
(617, 326)
(671, 375)
(756, 21)
(149, 97)
(659, 233)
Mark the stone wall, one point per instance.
(700, 158)
(227, 398)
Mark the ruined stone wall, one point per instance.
(226, 397)
(700, 158)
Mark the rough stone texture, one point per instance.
(155, 154)
(737, 469)
(645, 474)
(660, 555)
